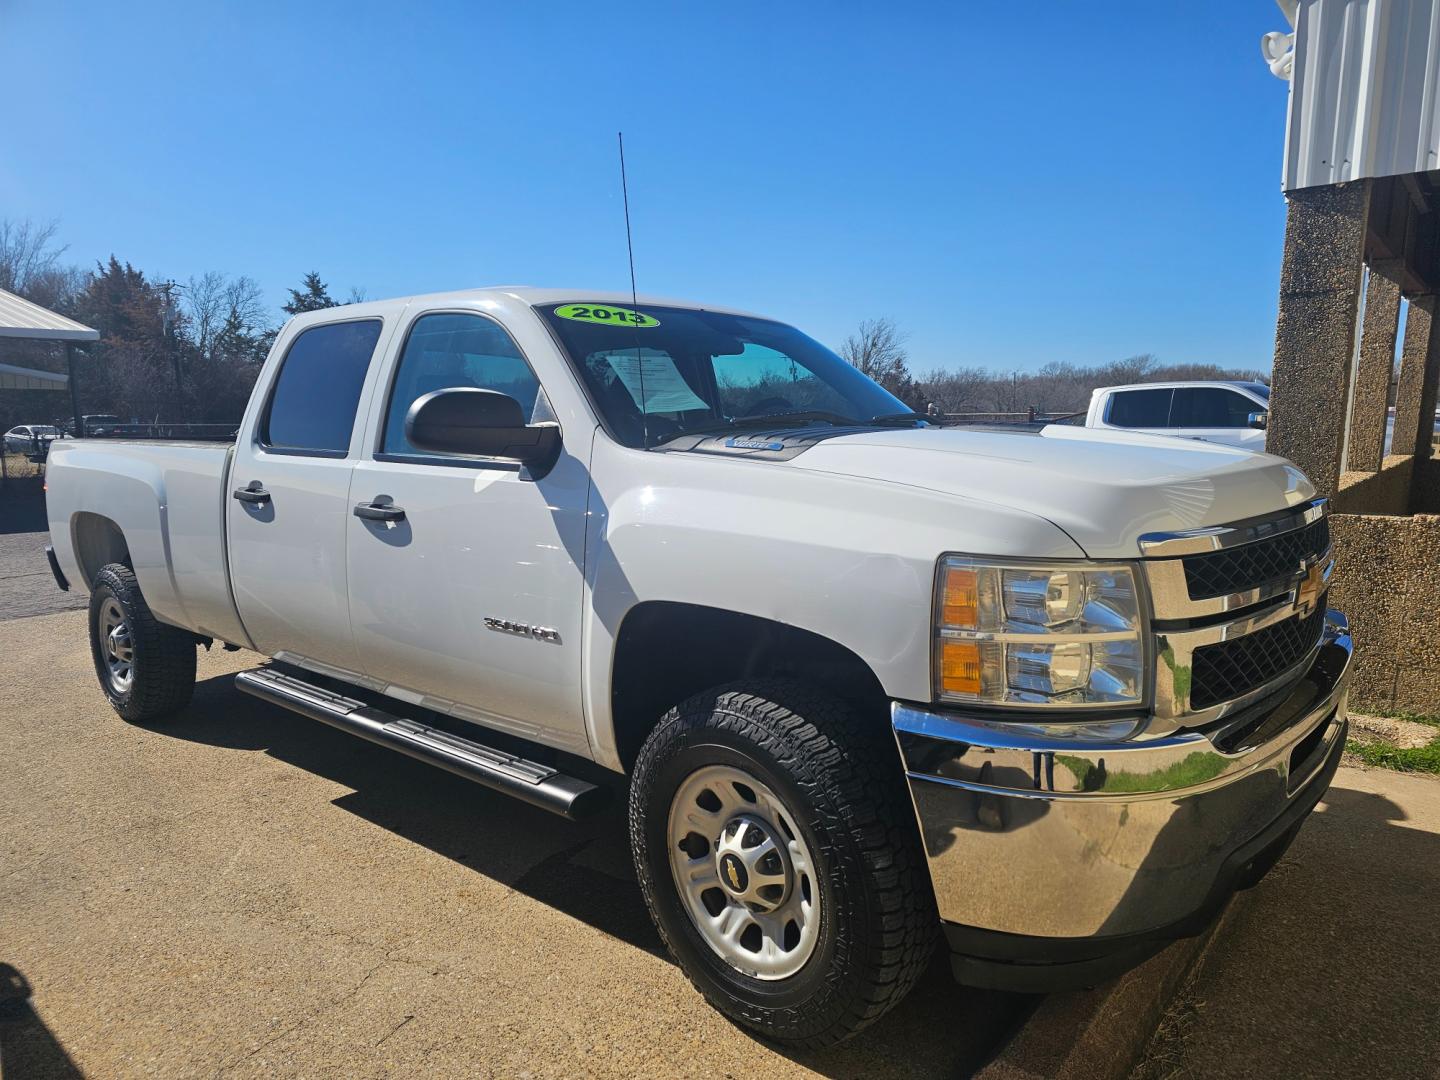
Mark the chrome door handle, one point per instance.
(255, 493)
(373, 511)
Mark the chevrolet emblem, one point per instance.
(1309, 587)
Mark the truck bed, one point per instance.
(168, 499)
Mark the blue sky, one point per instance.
(1011, 183)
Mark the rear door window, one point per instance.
(1140, 409)
(1211, 407)
(312, 408)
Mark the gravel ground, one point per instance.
(247, 893)
(26, 585)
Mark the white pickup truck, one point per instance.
(1046, 696)
(1234, 413)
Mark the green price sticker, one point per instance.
(614, 316)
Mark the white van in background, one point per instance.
(1233, 413)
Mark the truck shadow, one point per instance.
(582, 870)
(22, 514)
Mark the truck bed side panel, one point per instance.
(168, 501)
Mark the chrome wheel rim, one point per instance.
(743, 872)
(116, 645)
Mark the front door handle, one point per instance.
(255, 493)
(375, 511)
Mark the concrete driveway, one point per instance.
(248, 893)
(26, 584)
(1327, 969)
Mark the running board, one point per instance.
(537, 784)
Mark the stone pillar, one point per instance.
(1315, 332)
(1371, 392)
(1415, 392)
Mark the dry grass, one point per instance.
(1167, 1056)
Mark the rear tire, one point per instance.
(145, 667)
(819, 939)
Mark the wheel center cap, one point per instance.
(733, 873)
(752, 865)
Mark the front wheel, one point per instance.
(780, 860)
(145, 667)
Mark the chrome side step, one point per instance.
(537, 784)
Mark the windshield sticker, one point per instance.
(653, 381)
(612, 316)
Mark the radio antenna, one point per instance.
(634, 296)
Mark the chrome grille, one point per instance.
(1237, 609)
(1232, 669)
(1239, 569)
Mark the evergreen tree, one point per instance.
(312, 295)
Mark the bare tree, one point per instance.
(245, 303)
(217, 306)
(1133, 368)
(877, 348)
(954, 391)
(28, 255)
(204, 304)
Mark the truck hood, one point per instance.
(1105, 489)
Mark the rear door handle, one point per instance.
(373, 511)
(255, 493)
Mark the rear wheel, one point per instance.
(780, 860)
(145, 667)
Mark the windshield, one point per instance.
(658, 372)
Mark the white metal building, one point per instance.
(1364, 89)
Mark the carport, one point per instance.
(21, 319)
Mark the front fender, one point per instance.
(849, 559)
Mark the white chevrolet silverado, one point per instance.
(1048, 696)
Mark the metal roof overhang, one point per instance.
(19, 318)
(19, 378)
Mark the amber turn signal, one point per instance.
(960, 667)
(960, 598)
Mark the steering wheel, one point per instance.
(768, 405)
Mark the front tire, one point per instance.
(145, 667)
(780, 860)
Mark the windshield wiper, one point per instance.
(784, 419)
(803, 416)
(899, 418)
(763, 420)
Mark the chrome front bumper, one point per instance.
(1079, 835)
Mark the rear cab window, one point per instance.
(1139, 409)
(316, 395)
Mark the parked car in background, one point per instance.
(31, 440)
(871, 683)
(97, 425)
(1233, 413)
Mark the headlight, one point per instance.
(1017, 634)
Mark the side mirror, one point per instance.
(1259, 420)
(467, 420)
